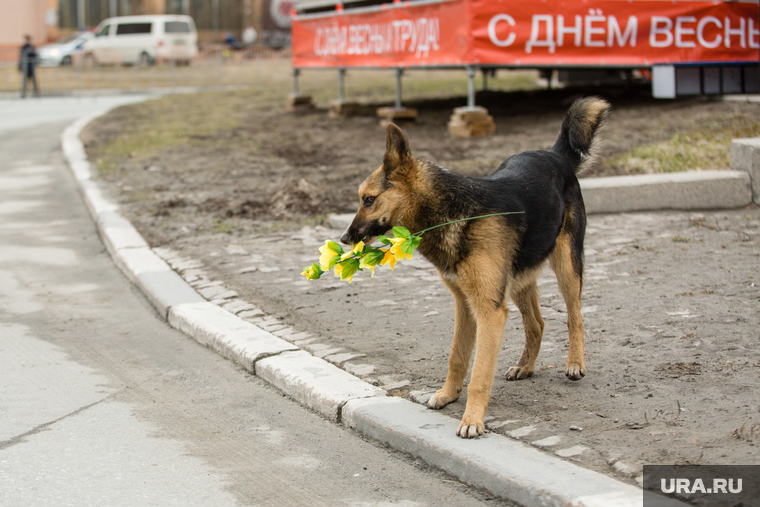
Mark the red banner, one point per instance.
(557, 32)
(547, 32)
(432, 34)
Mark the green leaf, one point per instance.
(333, 261)
(335, 247)
(384, 240)
(416, 240)
(350, 267)
(372, 258)
(407, 246)
(401, 232)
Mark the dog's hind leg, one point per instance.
(569, 278)
(461, 350)
(526, 299)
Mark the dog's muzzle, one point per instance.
(350, 237)
(365, 231)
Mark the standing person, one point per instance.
(27, 63)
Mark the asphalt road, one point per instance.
(102, 403)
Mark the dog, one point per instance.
(486, 260)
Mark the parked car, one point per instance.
(143, 40)
(63, 51)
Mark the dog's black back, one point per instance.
(541, 184)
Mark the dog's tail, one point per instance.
(576, 140)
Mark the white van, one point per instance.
(143, 40)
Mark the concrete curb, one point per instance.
(745, 156)
(691, 190)
(506, 468)
(229, 335)
(314, 382)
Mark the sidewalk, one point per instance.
(266, 270)
(103, 404)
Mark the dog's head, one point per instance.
(384, 195)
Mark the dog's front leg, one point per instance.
(461, 350)
(490, 331)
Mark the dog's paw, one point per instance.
(470, 428)
(441, 399)
(575, 371)
(518, 373)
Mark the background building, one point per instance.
(38, 18)
(46, 20)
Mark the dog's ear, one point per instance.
(397, 153)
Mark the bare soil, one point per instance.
(671, 303)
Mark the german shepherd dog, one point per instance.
(484, 261)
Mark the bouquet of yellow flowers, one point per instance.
(361, 256)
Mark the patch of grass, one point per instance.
(171, 121)
(222, 227)
(705, 148)
(380, 85)
(134, 134)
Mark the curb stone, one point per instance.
(745, 156)
(690, 190)
(507, 468)
(488, 462)
(314, 382)
(223, 332)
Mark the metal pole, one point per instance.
(220, 70)
(80, 15)
(112, 8)
(341, 85)
(399, 72)
(215, 19)
(296, 73)
(80, 71)
(470, 87)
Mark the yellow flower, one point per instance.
(357, 249)
(396, 249)
(331, 252)
(388, 258)
(371, 268)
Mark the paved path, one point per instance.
(101, 403)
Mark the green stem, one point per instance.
(466, 219)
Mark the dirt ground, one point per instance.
(671, 302)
